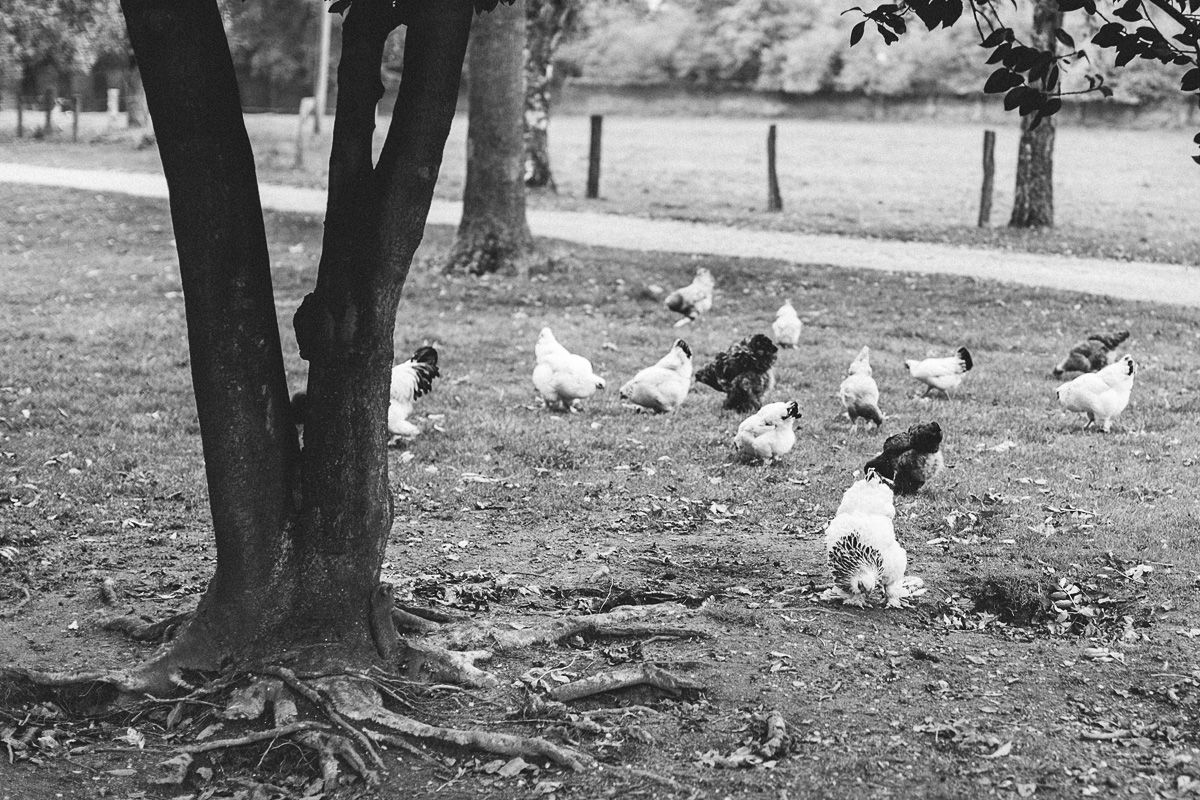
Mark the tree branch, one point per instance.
(434, 47)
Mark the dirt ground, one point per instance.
(510, 514)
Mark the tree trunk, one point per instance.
(494, 234)
(136, 113)
(299, 534)
(545, 23)
(1033, 197)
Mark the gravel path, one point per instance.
(1135, 280)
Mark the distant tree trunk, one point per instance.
(136, 113)
(1033, 197)
(546, 21)
(494, 233)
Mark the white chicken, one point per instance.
(694, 299)
(664, 386)
(410, 380)
(768, 435)
(562, 378)
(861, 546)
(787, 325)
(942, 374)
(1101, 395)
(859, 393)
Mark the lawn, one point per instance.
(511, 513)
(1119, 193)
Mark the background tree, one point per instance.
(1029, 74)
(546, 22)
(494, 232)
(1033, 196)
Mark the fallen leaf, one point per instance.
(1001, 751)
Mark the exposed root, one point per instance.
(500, 743)
(451, 665)
(623, 678)
(141, 629)
(254, 737)
(407, 622)
(329, 748)
(776, 740)
(432, 614)
(631, 621)
(383, 631)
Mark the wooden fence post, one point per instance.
(75, 118)
(20, 116)
(989, 174)
(593, 178)
(49, 100)
(774, 200)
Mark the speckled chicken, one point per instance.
(663, 386)
(911, 459)
(769, 434)
(862, 551)
(1092, 354)
(745, 373)
(694, 299)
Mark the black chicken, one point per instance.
(744, 373)
(910, 459)
(1092, 354)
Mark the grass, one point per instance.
(1119, 193)
(103, 477)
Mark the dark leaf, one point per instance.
(999, 53)
(1191, 80)
(1064, 38)
(1129, 12)
(1109, 35)
(1052, 77)
(1196, 138)
(996, 37)
(1106, 91)
(1001, 81)
(1021, 58)
(856, 33)
(888, 36)
(1013, 98)
(1196, 159)
(1037, 120)
(1051, 106)
(338, 6)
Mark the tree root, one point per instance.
(634, 621)
(140, 629)
(456, 666)
(253, 737)
(623, 678)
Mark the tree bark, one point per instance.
(1033, 197)
(494, 235)
(545, 23)
(299, 534)
(136, 114)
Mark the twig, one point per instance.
(623, 678)
(256, 736)
(656, 778)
